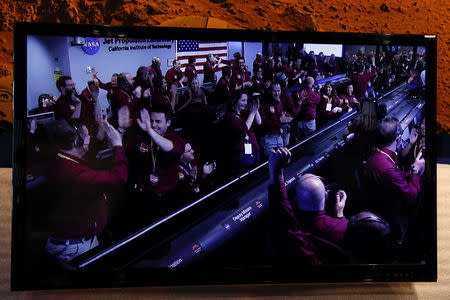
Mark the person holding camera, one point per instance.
(415, 145)
(210, 68)
(391, 192)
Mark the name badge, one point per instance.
(154, 179)
(143, 148)
(248, 148)
(329, 106)
(272, 109)
(72, 107)
(197, 189)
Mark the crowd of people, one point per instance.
(388, 227)
(170, 135)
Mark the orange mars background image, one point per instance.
(380, 16)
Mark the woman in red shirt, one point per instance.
(239, 122)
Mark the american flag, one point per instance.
(200, 50)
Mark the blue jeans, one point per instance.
(306, 127)
(67, 252)
(271, 141)
(286, 134)
(245, 161)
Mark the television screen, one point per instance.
(169, 156)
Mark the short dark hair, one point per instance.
(226, 71)
(237, 94)
(368, 238)
(162, 109)
(141, 71)
(273, 84)
(191, 59)
(63, 133)
(388, 131)
(62, 82)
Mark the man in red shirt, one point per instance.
(175, 76)
(68, 105)
(78, 208)
(308, 98)
(190, 72)
(175, 79)
(392, 193)
(90, 109)
(154, 158)
(362, 79)
(304, 214)
(223, 89)
(258, 63)
(125, 96)
(241, 77)
(210, 67)
(191, 174)
(274, 115)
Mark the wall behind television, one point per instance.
(394, 16)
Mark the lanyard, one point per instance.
(154, 155)
(68, 158)
(129, 97)
(381, 151)
(184, 169)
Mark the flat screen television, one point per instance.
(152, 163)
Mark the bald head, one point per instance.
(310, 81)
(310, 193)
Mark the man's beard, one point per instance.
(71, 93)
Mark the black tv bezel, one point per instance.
(246, 274)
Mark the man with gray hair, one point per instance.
(391, 192)
(307, 98)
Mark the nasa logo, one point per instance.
(91, 45)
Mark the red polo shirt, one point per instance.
(391, 191)
(64, 108)
(190, 72)
(79, 208)
(238, 131)
(146, 155)
(174, 77)
(271, 111)
(308, 107)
